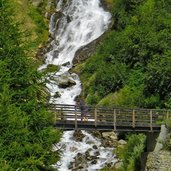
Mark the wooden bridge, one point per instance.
(68, 117)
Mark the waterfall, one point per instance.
(82, 22)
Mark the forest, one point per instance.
(131, 66)
(26, 132)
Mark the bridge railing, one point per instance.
(111, 116)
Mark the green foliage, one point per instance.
(139, 42)
(35, 14)
(25, 123)
(132, 151)
(51, 68)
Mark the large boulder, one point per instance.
(36, 3)
(66, 82)
(78, 135)
(110, 135)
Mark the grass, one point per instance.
(33, 24)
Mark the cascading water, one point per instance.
(82, 22)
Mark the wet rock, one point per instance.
(66, 64)
(36, 3)
(94, 162)
(57, 94)
(109, 135)
(83, 53)
(97, 134)
(109, 139)
(96, 153)
(78, 135)
(118, 165)
(122, 142)
(65, 82)
(95, 147)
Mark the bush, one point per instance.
(132, 151)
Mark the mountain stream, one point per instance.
(82, 21)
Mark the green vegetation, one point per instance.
(132, 151)
(26, 129)
(131, 66)
(51, 68)
(32, 22)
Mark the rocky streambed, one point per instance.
(87, 151)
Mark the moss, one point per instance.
(51, 68)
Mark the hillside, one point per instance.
(131, 65)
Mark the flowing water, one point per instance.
(82, 22)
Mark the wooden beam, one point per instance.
(167, 115)
(76, 118)
(114, 119)
(133, 118)
(95, 117)
(151, 120)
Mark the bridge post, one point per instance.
(151, 120)
(133, 118)
(114, 119)
(75, 117)
(95, 117)
(167, 115)
(62, 117)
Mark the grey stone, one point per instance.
(122, 142)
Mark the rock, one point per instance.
(51, 68)
(57, 94)
(94, 162)
(64, 82)
(122, 142)
(109, 135)
(73, 149)
(118, 165)
(66, 64)
(95, 147)
(97, 134)
(83, 53)
(162, 137)
(36, 3)
(158, 161)
(96, 153)
(78, 135)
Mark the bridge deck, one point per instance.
(68, 117)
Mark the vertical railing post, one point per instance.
(133, 118)
(151, 120)
(167, 115)
(61, 113)
(55, 118)
(95, 117)
(114, 119)
(76, 117)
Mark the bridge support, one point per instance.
(151, 141)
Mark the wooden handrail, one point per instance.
(112, 116)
